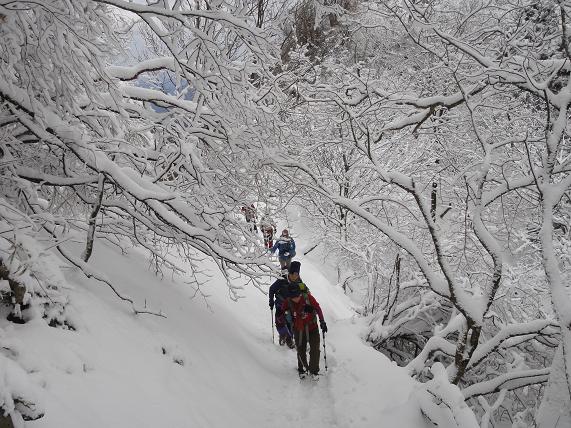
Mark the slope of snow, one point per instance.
(210, 363)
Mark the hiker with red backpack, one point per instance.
(304, 311)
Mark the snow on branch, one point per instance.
(426, 105)
(435, 279)
(434, 344)
(181, 191)
(508, 332)
(442, 403)
(160, 98)
(146, 66)
(35, 176)
(512, 380)
(252, 36)
(515, 76)
(179, 14)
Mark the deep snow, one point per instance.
(210, 363)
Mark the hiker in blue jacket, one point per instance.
(286, 249)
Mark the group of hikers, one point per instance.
(267, 224)
(298, 315)
(296, 319)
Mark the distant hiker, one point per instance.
(278, 293)
(268, 228)
(304, 310)
(286, 249)
(250, 215)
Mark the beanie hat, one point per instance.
(294, 267)
(293, 290)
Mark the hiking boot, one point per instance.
(282, 340)
(302, 375)
(289, 342)
(15, 318)
(314, 377)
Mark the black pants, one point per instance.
(301, 340)
(253, 226)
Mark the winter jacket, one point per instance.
(249, 212)
(278, 291)
(285, 247)
(299, 311)
(267, 222)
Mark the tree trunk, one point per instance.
(5, 421)
(555, 408)
(92, 222)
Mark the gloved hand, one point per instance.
(323, 326)
(271, 304)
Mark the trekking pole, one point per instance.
(272, 321)
(324, 350)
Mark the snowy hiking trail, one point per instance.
(202, 366)
(354, 392)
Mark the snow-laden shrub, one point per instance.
(27, 262)
(18, 393)
(442, 403)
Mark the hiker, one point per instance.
(250, 215)
(304, 311)
(278, 293)
(268, 228)
(286, 249)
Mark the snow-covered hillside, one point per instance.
(210, 363)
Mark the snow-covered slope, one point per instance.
(210, 363)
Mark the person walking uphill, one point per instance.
(277, 294)
(250, 214)
(286, 249)
(268, 228)
(304, 310)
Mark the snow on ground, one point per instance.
(208, 364)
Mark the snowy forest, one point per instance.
(419, 150)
